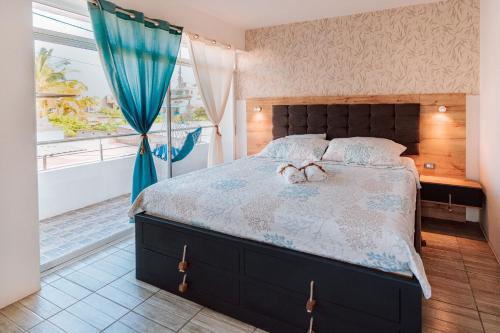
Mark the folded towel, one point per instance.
(291, 173)
(314, 172)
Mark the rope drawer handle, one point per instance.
(311, 302)
(310, 330)
(183, 286)
(183, 265)
(450, 208)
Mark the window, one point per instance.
(75, 103)
(187, 107)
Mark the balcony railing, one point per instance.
(53, 154)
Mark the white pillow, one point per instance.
(364, 151)
(295, 149)
(307, 136)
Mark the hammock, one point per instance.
(178, 154)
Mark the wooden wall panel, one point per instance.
(442, 135)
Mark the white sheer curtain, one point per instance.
(213, 68)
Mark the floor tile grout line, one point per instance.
(82, 300)
(468, 281)
(190, 319)
(130, 310)
(472, 289)
(61, 309)
(92, 292)
(119, 320)
(18, 303)
(135, 307)
(12, 322)
(467, 273)
(123, 276)
(451, 321)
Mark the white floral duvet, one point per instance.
(360, 215)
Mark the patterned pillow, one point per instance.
(295, 149)
(364, 151)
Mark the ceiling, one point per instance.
(250, 14)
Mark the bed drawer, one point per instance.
(290, 308)
(170, 241)
(283, 306)
(331, 318)
(201, 279)
(342, 286)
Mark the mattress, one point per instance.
(360, 215)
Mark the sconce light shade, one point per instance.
(258, 108)
(442, 109)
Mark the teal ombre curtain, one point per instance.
(138, 58)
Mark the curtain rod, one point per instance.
(132, 15)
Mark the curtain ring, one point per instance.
(144, 139)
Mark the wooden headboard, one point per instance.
(397, 122)
(442, 135)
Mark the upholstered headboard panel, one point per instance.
(398, 122)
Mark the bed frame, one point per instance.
(282, 290)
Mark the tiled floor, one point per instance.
(71, 234)
(100, 293)
(465, 280)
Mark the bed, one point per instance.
(338, 256)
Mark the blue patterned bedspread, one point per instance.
(360, 215)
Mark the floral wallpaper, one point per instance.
(432, 48)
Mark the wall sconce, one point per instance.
(442, 109)
(258, 108)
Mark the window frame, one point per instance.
(85, 43)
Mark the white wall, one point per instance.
(489, 152)
(190, 18)
(65, 189)
(472, 137)
(19, 254)
(241, 128)
(175, 12)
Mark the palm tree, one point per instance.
(54, 91)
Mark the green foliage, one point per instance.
(72, 125)
(109, 127)
(199, 114)
(178, 118)
(86, 102)
(111, 112)
(69, 123)
(159, 119)
(51, 77)
(114, 113)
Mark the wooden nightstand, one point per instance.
(448, 198)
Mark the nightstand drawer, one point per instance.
(456, 195)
